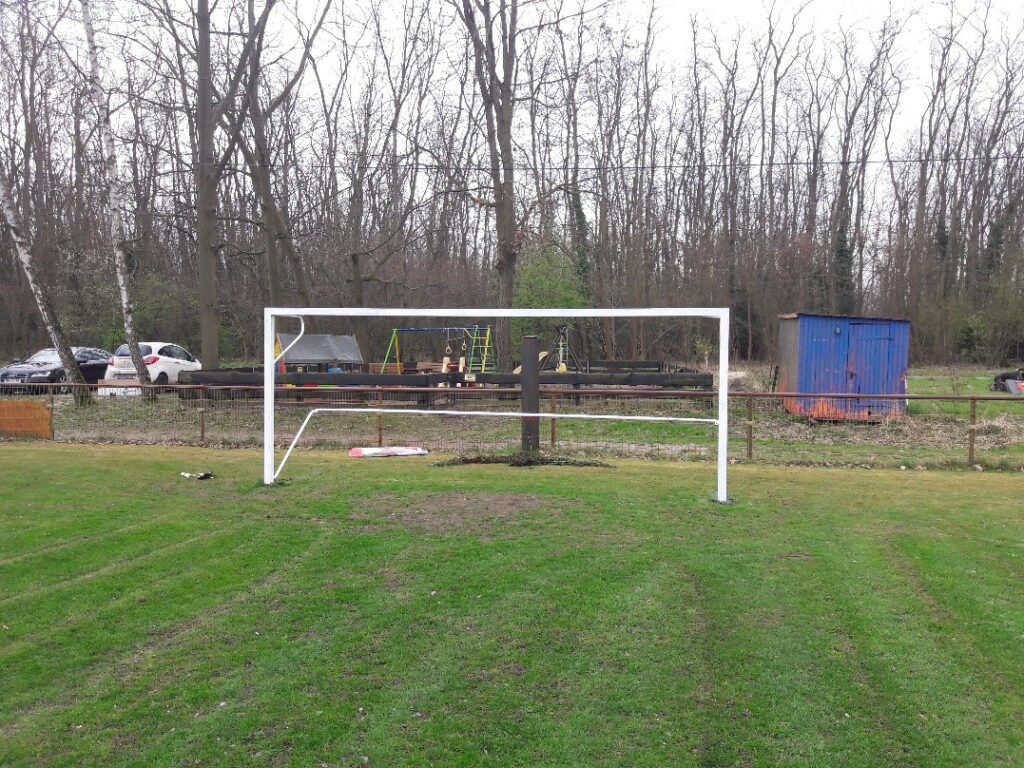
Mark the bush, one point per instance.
(546, 277)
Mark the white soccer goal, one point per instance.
(272, 469)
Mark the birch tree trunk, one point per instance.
(23, 249)
(116, 194)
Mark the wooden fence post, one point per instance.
(971, 429)
(750, 428)
(380, 421)
(554, 422)
(202, 414)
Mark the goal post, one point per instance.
(271, 469)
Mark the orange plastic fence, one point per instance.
(25, 418)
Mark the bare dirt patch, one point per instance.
(472, 513)
(522, 460)
(798, 556)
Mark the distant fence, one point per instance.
(946, 430)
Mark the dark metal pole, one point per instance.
(530, 393)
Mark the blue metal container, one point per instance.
(825, 354)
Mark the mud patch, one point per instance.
(798, 556)
(504, 671)
(455, 513)
(521, 460)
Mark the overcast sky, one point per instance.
(827, 16)
(824, 16)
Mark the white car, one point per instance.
(164, 362)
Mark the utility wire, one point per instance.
(663, 166)
(687, 166)
(601, 167)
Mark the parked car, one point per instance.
(164, 362)
(45, 367)
(1002, 381)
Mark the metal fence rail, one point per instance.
(952, 430)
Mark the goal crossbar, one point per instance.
(271, 469)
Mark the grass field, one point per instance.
(396, 613)
(957, 380)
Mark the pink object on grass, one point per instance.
(366, 453)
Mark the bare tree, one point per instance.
(116, 194)
(209, 109)
(493, 29)
(259, 156)
(23, 248)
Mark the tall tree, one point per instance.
(209, 108)
(23, 249)
(258, 157)
(495, 66)
(116, 195)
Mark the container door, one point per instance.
(824, 365)
(868, 368)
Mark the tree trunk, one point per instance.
(117, 198)
(24, 252)
(261, 170)
(355, 240)
(285, 241)
(602, 261)
(206, 196)
(495, 65)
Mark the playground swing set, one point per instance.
(468, 349)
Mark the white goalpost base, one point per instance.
(271, 470)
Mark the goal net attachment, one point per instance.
(272, 355)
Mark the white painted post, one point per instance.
(723, 405)
(268, 396)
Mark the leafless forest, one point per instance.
(215, 156)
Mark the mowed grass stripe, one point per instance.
(61, 654)
(784, 682)
(936, 700)
(84, 637)
(30, 529)
(448, 648)
(524, 654)
(131, 684)
(972, 600)
(30, 613)
(115, 526)
(631, 679)
(92, 558)
(60, 499)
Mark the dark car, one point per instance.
(45, 367)
(1001, 382)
